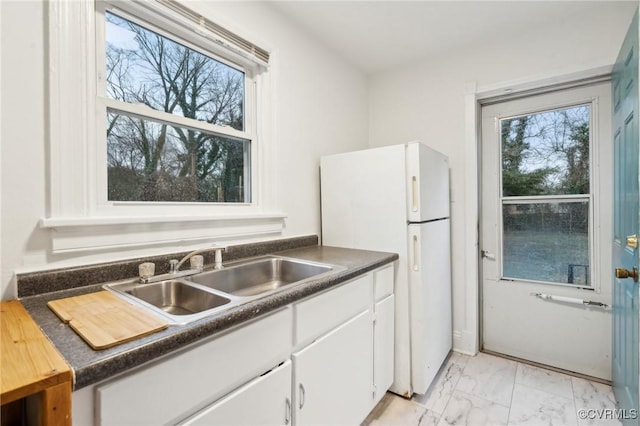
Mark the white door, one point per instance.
(546, 228)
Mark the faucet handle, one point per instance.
(218, 258)
(172, 265)
(146, 270)
(197, 262)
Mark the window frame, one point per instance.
(175, 32)
(79, 216)
(560, 198)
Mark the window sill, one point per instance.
(87, 234)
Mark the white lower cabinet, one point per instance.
(328, 361)
(263, 401)
(383, 346)
(171, 389)
(333, 376)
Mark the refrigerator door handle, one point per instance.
(415, 253)
(414, 194)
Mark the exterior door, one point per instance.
(546, 228)
(625, 247)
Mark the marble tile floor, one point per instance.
(489, 390)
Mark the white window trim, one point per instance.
(78, 220)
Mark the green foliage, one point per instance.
(517, 183)
(577, 177)
(546, 153)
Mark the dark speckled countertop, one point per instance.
(91, 366)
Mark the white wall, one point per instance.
(320, 106)
(426, 101)
(23, 134)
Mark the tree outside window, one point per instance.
(546, 196)
(158, 160)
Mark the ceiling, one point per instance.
(375, 35)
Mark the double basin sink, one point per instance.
(197, 296)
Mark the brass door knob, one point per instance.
(625, 273)
(632, 241)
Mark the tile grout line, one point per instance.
(513, 389)
(438, 377)
(439, 416)
(472, 395)
(453, 389)
(426, 410)
(551, 378)
(575, 406)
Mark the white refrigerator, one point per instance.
(396, 199)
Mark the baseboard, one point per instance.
(465, 342)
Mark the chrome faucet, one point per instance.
(174, 266)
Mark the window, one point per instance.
(546, 196)
(175, 119)
(158, 129)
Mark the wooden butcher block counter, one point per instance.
(30, 365)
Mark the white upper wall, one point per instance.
(383, 35)
(426, 101)
(320, 107)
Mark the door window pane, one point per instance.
(545, 159)
(547, 241)
(152, 161)
(546, 153)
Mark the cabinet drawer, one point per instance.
(383, 282)
(265, 400)
(168, 390)
(321, 313)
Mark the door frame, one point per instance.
(468, 339)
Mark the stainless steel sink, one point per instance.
(261, 275)
(178, 300)
(183, 300)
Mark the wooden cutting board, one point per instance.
(104, 320)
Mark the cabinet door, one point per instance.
(333, 377)
(383, 282)
(383, 341)
(174, 387)
(263, 401)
